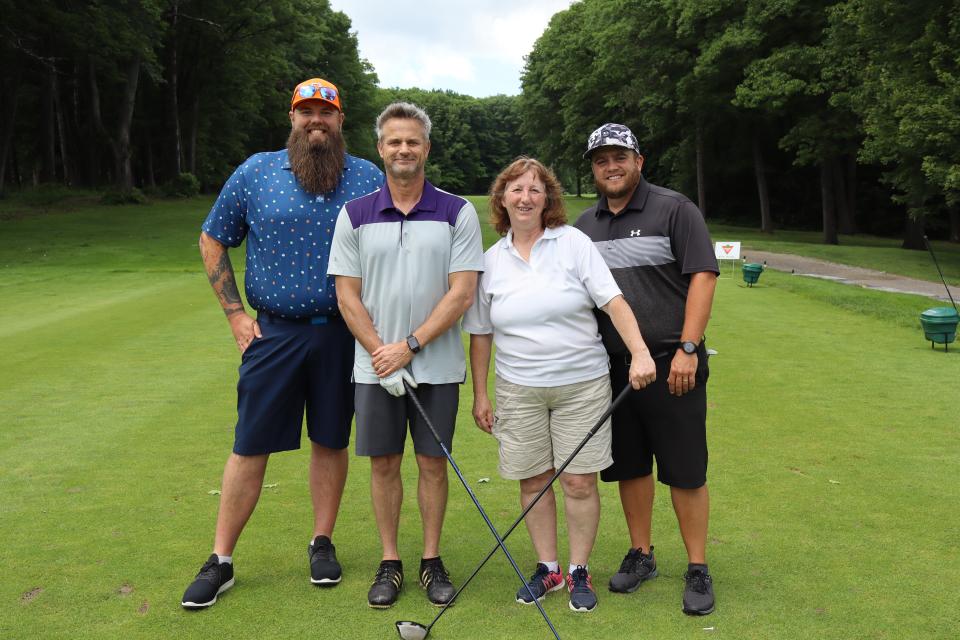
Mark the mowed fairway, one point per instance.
(834, 441)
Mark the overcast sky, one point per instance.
(476, 48)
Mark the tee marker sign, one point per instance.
(727, 251)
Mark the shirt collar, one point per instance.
(428, 199)
(548, 234)
(637, 201)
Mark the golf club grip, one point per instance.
(606, 414)
(483, 513)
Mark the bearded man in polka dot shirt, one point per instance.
(297, 353)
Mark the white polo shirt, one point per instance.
(541, 313)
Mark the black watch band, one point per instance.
(413, 343)
(688, 347)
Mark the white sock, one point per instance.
(573, 568)
(224, 559)
(552, 565)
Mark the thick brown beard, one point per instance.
(318, 167)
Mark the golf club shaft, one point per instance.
(606, 414)
(493, 530)
(932, 255)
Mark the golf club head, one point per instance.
(411, 630)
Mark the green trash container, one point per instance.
(751, 272)
(940, 325)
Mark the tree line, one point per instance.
(839, 114)
(139, 93)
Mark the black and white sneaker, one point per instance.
(386, 585)
(637, 567)
(698, 594)
(324, 568)
(214, 578)
(435, 579)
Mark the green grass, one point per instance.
(871, 252)
(834, 458)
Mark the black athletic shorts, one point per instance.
(296, 365)
(382, 419)
(651, 423)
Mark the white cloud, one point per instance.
(475, 48)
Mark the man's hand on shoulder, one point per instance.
(245, 328)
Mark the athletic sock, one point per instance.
(573, 567)
(694, 566)
(224, 559)
(552, 565)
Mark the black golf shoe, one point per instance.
(636, 568)
(324, 568)
(214, 578)
(542, 582)
(698, 594)
(435, 579)
(582, 596)
(386, 585)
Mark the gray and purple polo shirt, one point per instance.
(404, 262)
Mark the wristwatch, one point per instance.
(413, 343)
(688, 347)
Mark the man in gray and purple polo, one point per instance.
(406, 260)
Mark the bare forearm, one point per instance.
(452, 306)
(626, 325)
(355, 314)
(699, 303)
(480, 348)
(216, 262)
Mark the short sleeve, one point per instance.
(477, 318)
(691, 242)
(227, 220)
(345, 248)
(466, 252)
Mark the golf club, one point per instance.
(930, 249)
(416, 631)
(413, 631)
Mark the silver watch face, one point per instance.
(689, 347)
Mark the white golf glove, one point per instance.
(393, 383)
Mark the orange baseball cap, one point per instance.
(316, 89)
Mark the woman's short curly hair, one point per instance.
(554, 212)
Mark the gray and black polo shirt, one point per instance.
(652, 246)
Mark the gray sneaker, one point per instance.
(636, 568)
(698, 595)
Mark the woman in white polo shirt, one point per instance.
(535, 300)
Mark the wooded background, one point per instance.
(835, 115)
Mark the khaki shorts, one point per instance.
(539, 427)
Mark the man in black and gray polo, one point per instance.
(657, 246)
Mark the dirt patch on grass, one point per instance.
(125, 589)
(28, 596)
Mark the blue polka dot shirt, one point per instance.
(288, 231)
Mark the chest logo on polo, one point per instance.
(636, 233)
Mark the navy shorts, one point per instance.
(296, 365)
(651, 423)
(382, 419)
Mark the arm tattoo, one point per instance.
(224, 282)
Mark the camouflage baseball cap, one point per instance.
(611, 135)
